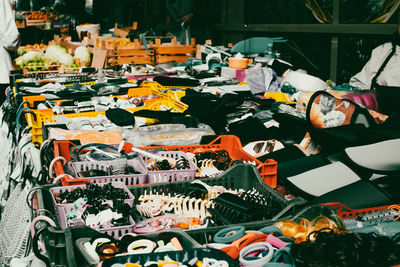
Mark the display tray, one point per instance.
(179, 256)
(241, 176)
(186, 241)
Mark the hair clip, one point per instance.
(107, 250)
(182, 164)
(207, 169)
(192, 157)
(191, 207)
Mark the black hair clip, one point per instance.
(94, 193)
(195, 190)
(182, 164)
(249, 206)
(159, 166)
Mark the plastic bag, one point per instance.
(105, 137)
(166, 135)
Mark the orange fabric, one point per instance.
(232, 251)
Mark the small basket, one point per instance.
(63, 209)
(127, 179)
(171, 175)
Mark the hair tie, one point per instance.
(107, 250)
(223, 237)
(146, 243)
(276, 242)
(253, 239)
(271, 229)
(255, 262)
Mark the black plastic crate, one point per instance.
(199, 253)
(241, 176)
(59, 243)
(186, 241)
(205, 236)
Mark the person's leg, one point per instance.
(3, 88)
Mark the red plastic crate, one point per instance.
(232, 144)
(61, 149)
(345, 212)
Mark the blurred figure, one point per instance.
(381, 73)
(182, 18)
(9, 40)
(180, 14)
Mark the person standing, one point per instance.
(180, 14)
(9, 41)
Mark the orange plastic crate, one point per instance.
(232, 144)
(345, 212)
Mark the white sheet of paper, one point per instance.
(322, 180)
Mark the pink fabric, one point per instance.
(240, 75)
(367, 99)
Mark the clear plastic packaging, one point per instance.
(166, 135)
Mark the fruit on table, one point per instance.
(110, 43)
(36, 15)
(35, 47)
(56, 56)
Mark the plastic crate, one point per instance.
(45, 115)
(179, 256)
(34, 98)
(59, 248)
(165, 104)
(233, 146)
(127, 179)
(63, 209)
(173, 51)
(139, 92)
(205, 236)
(59, 243)
(176, 95)
(345, 212)
(186, 241)
(61, 149)
(240, 176)
(132, 93)
(158, 87)
(171, 175)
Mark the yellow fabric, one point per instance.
(279, 97)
